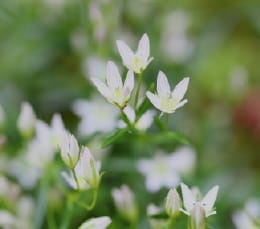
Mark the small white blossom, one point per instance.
(57, 129)
(172, 203)
(86, 171)
(96, 223)
(115, 91)
(96, 116)
(125, 203)
(143, 123)
(165, 170)
(166, 100)
(26, 120)
(69, 149)
(190, 201)
(138, 61)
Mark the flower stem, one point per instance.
(138, 89)
(125, 118)
(75, 178)
(93, 202)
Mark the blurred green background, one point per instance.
(46, 51)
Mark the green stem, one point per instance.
(166, 121)
(75, 178)
(93, 202)
(67, 215)
(125, 118)
(138, 89)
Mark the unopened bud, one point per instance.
(198, 217)
(172, 203)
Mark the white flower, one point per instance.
(96, 223)
(69, 149)
(96, 116)
(125, 203)
(136, 62)
(115, 91)
(94, 66)
(166, 100)
(57, 129)
(143, 123)
(190, 201)
(26, 120)
(249, 217)
(86, 171)
(164, 170)
(172, 203)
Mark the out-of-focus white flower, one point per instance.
(26, 120)
(175, 42)
(86, 171)
(138, 61)
(166, 100)
(143, 123)
(78, 40)
(114, 91)
(40, 151)
(96, 223)
(69, 149)
(190, 201)
(164, 170)
(96, 116)
(172, 203)
(2, 116)
(238, 79)
(125, 203)
(94, 67)
(249, 217)
(95, 147)
(57, 129)
(8, 190)
(6, 219)
(154, 222)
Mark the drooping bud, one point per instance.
(172, 203)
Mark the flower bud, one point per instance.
(26, 120)
(125, 203)
(69, 149)
(198, 217)
(96, 223)
(172, 203)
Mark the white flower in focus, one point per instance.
(96, 116)
(96, 223)
(115, 91)
(165, 170)
(166, 100)
(86, 171)
(143, 123)
(190, 201)
(172, 203)
(138, 61)
(69, 149)
(125, 203)
(26, 120)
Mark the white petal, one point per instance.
(180, 89)
(143, 49)
(188, 197)
(180, 104)
(102, 88)
(209, 200)
(163, 87)
(129, 84)
(125, 52)
(130, 113)
(113, 76)
(154, 99)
